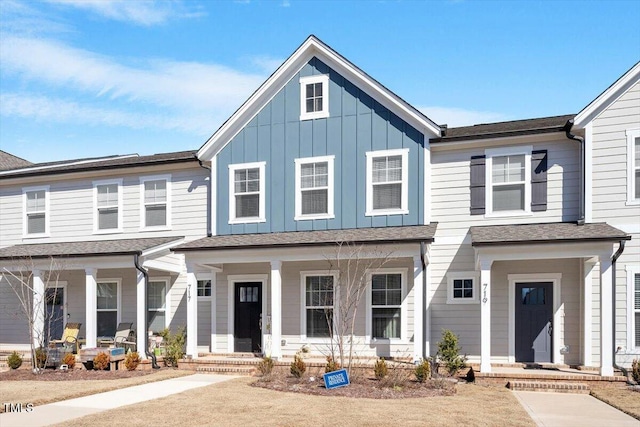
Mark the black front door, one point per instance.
(248, 312)
(534, 322)
(54, 313)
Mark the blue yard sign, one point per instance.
(336, 379)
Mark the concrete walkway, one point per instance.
(68, 410)
(567, 409)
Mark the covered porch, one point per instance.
(541, 281)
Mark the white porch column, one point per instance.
(141, 326)
(606, 316)
(214, 335)
(91, 306)
(276, 309)
(38, 309)
(427, 311)
(485, 316)
(587, 356)
(418, 309)
(192, 312)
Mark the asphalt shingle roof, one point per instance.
(9, 161)
(511, 128)
(83, 249)
(544, 233)
(415, 233)
(112, 162)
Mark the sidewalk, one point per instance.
(567, 409)
(68, 410)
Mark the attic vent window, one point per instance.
(314, 97)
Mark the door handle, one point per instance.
(550, 330)
(260, 322)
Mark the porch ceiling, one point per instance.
(527, 234)
(83, 249)
(407, 234)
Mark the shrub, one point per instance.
(635, 370)
(396, 377)
(265, 367)
(14, 360)
(298, 367)
(449, 352)
(101, 362)
(422, 371)
(132, 360)
(41, 357)
(331, 366)
(380, 369)
(69, 359)
(174, 346)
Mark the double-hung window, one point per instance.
(508, 180)
(156, 202)
(462, 288)
(108, 202)
(633, 170)
(247, 193)
(36, 211)
(157, 304)
(387, 182)
(314, 188)
(108, 304)
(386, 305)
(204, 288)
(314, 97)
(318, 294)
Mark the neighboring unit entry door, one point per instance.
(248, 314)
(534, 322)
(54, 313)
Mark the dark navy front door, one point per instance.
(534, 322)
(248, 313)
(54, 313)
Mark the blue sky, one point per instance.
(91, 78)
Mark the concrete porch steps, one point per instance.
(549, 386)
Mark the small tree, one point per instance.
(33, 295)
(449, 352)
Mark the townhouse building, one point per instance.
(521, 237)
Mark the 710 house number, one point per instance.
(18, 407)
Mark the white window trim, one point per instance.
(320, 78)
(143, 225)
(632, 270)
(632, 134)
(404, 153)
(303, 304)
(96, 184)
(167, 298)
(203, 277)
(232, 196)
(508, 151)
(403, 307)
(47, 212)
(118, 282)
(474, 276)
(330, 187)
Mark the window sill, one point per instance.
(509, 214)
(114, 231)
(312, 217)
(315, 115)
(463, 301)
(311, 340)
(165, 228)
(246, 221)
(387, 212)
(633, 202)
(204, 298)
(36, 236)
(388, 341)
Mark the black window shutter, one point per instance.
(477, 185)
(539, 181)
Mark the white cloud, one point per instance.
(266, 63)
(185, 87)
(455, 117)
(146, 13)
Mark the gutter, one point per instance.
(136, 262)
(567, 131)
(209, 195)
(613, 326)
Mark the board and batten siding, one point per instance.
(71, 212)
(609, 204)
(276, 135)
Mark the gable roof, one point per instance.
(314, 47)
(504, 129)
(606, 98)
(99, 163)
(9, 161)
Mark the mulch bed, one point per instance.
(360, 388)
(71, 375)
